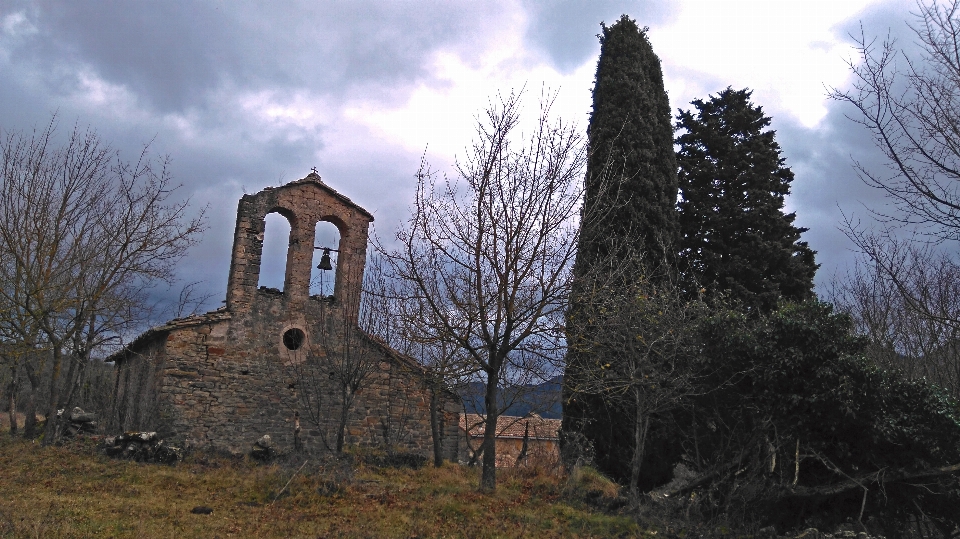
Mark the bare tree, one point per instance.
(905, 297)
(446, 364)
(11, 357)
(489, 254)
(910, 103)
(83, 237)
(350, 358)
(357, 361)
(909, 100)
(190, 301)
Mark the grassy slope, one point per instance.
(73, 492)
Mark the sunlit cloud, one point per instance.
(787, 51)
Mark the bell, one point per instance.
(325, 261)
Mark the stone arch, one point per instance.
(327, 233)
(304, 203)
(277, 231)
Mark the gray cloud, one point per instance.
(177, 74)
(886, 18)
(172, 54)
(827, 190)
(566, 30)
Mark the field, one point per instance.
(73, 491)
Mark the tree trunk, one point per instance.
(51, 431)
(488, 477)
(640, 426)
(526, 443)
(435, 427)
(346, 399)
(297, 441)
(12, 390)
(475, 455)
(80, 358)
(66, 394)
(30, 410)
(75, 382)
(881, 477)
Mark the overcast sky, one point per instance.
(243, 95)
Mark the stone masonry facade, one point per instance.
(270, 360)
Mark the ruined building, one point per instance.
(271, 359)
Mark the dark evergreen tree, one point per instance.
(632, 171)
(735, 237)
(629, 230)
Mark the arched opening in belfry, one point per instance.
(276, 242)
(322, 281)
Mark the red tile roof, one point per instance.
(513, 427)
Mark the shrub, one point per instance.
(798, 423)
(586, 484)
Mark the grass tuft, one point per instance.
(585, 483)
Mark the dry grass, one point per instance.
(588, 483)
(74, 492)
(5, 421)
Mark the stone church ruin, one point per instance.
(267, 362)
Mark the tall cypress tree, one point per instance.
(632, 168)
(631, 194)
(735, 237)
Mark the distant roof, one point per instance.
(509, 426)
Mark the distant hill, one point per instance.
(542, 399)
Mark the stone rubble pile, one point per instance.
(141, 447)
(263, 449)
(79, 422)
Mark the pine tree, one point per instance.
(734, 235)
(629, 228)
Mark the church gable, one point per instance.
(269, 359)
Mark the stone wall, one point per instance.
(226, 378)
(136, 392)
(304, 203)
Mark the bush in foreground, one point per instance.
(800, 429)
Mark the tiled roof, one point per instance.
(509, 426)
